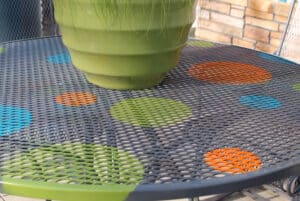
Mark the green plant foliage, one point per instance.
(122, 14)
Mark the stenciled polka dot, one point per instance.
(274, 58)
(233, 160)
(150, 112)
(260, 102)
(2, 50)
(59, 59)
(297, 87)
(88, 165)
(76, 99)
(13, 119)
(225, 72)
(198, 43)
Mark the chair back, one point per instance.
(22, 19)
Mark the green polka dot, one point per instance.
(150, 112)
(198, 43)
(297, 87)
(112, 172)
(2, 50)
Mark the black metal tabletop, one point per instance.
(225, 118)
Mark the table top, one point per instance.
(225, 118)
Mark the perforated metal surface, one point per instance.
(57, 128)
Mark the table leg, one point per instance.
(194, 199)
(219, 197)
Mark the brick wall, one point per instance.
(256, 24)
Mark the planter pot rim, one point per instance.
(130, 1)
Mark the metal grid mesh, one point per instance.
(26, 19)
(71, 163)
(165, 153)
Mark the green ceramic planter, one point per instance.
(125, 44)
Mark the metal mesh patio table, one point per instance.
(225, 118)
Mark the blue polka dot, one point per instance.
(274, 58)
(59, 59)
(260, 102)
(13, 119)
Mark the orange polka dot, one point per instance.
(232, 160)
(230, 73)
(76, 99)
